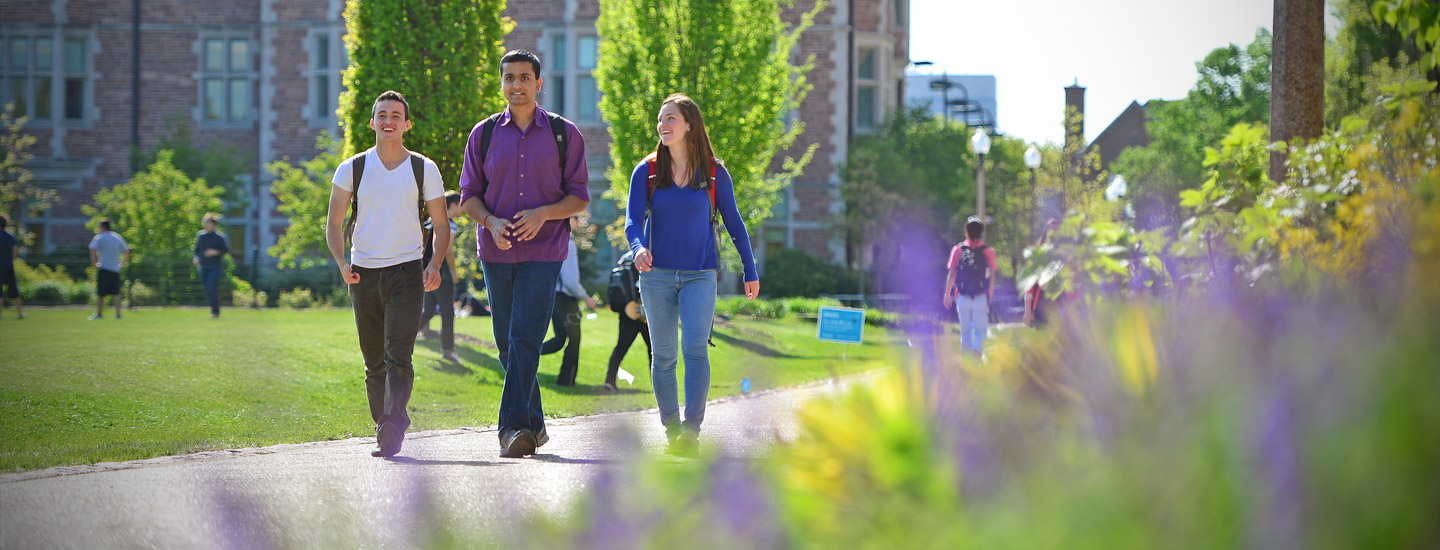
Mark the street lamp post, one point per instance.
(1032, 161)
(980, 140)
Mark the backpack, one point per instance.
(623, 279)
(970, 276)
(651, 184)
(417, 167)
(487, 131)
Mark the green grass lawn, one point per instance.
(170, 381)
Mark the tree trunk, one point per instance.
(1297, 76)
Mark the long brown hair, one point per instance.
(697, 145)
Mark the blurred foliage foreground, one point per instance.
(1283, 396)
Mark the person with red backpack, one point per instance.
(970, 285)
(677, 196)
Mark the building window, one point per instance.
(555, 83)
(328, 61)
(227, 80)
(587, 94)
(899, 6)
(45, 82)
(866, 85)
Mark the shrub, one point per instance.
(299, 298)
(79, 293)
(45, 292)
(140, 294)
(340, 297)
(807, 306)
(793, 272)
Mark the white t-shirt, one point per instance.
(387, 226)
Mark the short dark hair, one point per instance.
(390, 95)
(105, 223)
(4, 221)
(975, 229)
(515, 56)
(451, 197)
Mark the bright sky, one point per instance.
(1120, 50)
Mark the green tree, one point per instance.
(733, 58)
(18, 196)
(1233, 87)
(915, 171)
(443, 55)
(304, 195)
(1418, 18)
(1361, 42)
(219, 164)
(158, 211)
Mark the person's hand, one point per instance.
(591, 303)
(752, 289)
(195, 261)
(432, 278)
(643, 259)
(350, 277)
(949, 301)
(1028, 318)
(527, 224)
(498, 231)
(212, 252)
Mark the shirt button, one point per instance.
(522, 155)
(522, 175)
(522, 194)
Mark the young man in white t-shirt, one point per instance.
(384, 271)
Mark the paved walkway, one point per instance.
(333, 494)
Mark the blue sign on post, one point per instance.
(842, 324)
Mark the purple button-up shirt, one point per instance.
(523, 172)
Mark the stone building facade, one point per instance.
(263, 76)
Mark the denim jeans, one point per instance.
(673, 299)
(444, 296)
(565, 321)
(387, 315)
(210, 277)
(974, 313)
(521, 297)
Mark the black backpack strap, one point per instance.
(487, 131)
(557, 127)
(357, 170)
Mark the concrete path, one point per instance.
(333, 494)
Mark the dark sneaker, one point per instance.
(388, 438)
(117, 315)
(687, 444)
(541, 439)
(96, 317)
(520, 444)
(611, 387)
(450, 356)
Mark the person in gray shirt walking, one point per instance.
(105, 251)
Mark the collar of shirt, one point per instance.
(542, 118)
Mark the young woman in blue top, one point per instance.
(676, 254)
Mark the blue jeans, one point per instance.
(210, 277)
(673, 298)
(974, 312)
(521, 297)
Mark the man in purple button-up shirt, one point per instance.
(516, 192)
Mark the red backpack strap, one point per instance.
(714, 169)
(650, 180)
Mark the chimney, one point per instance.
(1074, 100)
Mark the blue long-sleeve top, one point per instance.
(679, 236)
